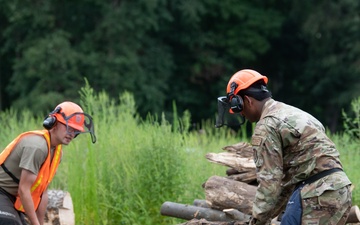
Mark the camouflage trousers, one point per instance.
(330, 208)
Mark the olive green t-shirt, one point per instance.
(30, 153)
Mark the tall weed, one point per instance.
(348, 143)
(136, 165)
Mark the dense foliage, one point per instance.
(182, 50)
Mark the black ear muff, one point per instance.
(50, 120)
(236, 104)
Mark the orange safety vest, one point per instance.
(46, 172)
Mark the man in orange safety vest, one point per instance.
(29, 163)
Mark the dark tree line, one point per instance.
(180, 50)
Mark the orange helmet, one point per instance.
(243, 79)
(70, 114)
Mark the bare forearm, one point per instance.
(40, 212)
(27, 202)
(26, 181)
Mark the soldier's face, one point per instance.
(249, 111)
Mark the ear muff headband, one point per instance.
(50, 120)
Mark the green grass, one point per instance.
(136, 165)
(350, 158)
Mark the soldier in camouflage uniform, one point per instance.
(298, 166)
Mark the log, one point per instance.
(205, 204)
(232, 160)
(205, 222)
(354, 216)
(234, 213)
(201, 203)
(223, 193)
(231, 171)
(60, 209)
(189, 212)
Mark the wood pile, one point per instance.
(228, 200)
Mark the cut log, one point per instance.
(60, 209)
(232, 160)
(354, 216)
(189, 212)
(223, 193)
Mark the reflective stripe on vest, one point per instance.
(46, 172)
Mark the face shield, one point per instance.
(224, 117)
(79, 123)
(223, 106)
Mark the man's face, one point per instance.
(249, 111)
(65, 134)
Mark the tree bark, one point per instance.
(223, 193)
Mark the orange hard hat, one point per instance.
(243, 79)
(70, 114)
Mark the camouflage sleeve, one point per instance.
(269, 197)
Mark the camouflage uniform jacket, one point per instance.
(290, 145)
